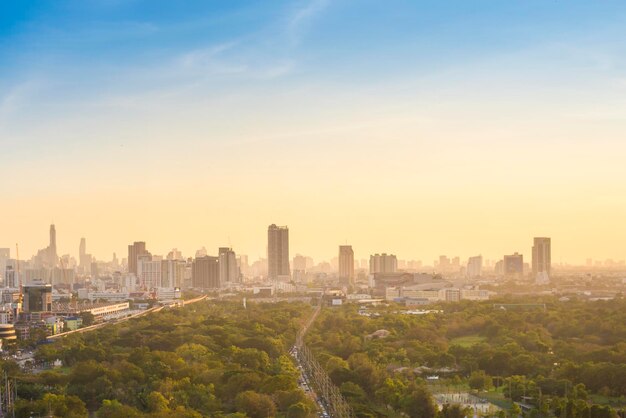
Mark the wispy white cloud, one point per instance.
(232, 59)
(16, 98)
(278, 69)
(205, 56)
(300, 19)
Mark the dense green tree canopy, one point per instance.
(569, 350)
(207, 359)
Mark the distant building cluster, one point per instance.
(35, 288)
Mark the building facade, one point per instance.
(277, 252)
(542, 256)
(513, 265)
(149, 271)
(205, 273)
(135, 250)
(229, 271)
(474, 266)
(37, 298)
(346, 263)
(383, 263)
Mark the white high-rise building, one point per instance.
(149, 271)
(172, 273)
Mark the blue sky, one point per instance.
(97, 45)
(109, 99)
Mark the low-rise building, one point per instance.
(73, 323)
(168, 293)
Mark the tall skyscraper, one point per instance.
(474, 266)
(84, 259)
(5, 255)
(135, 250)
(383, 263)
(173, 273)
(346, 263)
(52, 248)
(205, 273)
(542, 256)
(82, 248)
(513, 265)
(229, 272)
(277, 252)
(10, 276)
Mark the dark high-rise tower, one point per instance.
(205, 273)
(135, 250)
(277, 251)
(346, 263)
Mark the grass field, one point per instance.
(468, 340)
(605, 400)
(496, 398)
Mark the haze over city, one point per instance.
(313, 209)
(200, 125)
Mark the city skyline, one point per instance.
(313, 208)
(140, 248)
(437, 134)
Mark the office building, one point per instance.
(5, 256)
(242, 262)
(52, 248)
(513, 265)
(474, 266)
(173, 273)
(135, 250)
(229, 272)
(383, 263)
(84, 259)
(205, 273)
(82, 249)
(10, 277)
(278, 252)
(37, 297)
(299, 263)
(542, 256)
(346, 263)
(149, 271)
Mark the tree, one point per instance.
(419, 403)
(55, 405)
(255, 405)
(391, 392)
(251, 358)
(515, 410)
(580, 392)
(479, 380)
(453, 411)
(156, 402)
(88, 318)
(114, 409)
(298, 410)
